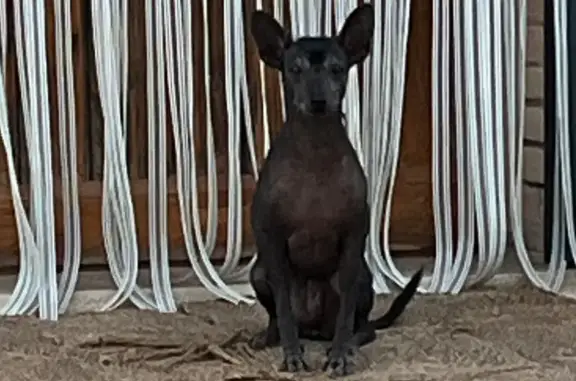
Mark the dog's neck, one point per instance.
(299, 119)
(312, 133)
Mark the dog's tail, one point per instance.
(399, 304)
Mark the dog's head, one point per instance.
(314, 69)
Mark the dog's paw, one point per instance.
(339, 362)
(294, 362)
(264, 339)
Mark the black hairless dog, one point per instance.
(310, 215)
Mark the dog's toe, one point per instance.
(294, 363)
(339, 363)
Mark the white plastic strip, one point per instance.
(441, 146)
(499, 81)
(68, 154)
(23, 299)
(562, 136)
(466, 212)
(244, 105)
(297, 18)
(370, 112)
(233, 63)
(157, 176)
(390, 161)
(485, 146)
(30, 15)
(556, 270)
(197, 248)
(109, 21)
(381, 141)
(388, 60)
(265, 121)
(3, 35)
(515, 61)
(328, 17)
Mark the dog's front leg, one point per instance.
(338, 361)
(273, 252)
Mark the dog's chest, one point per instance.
(324, 202)
(317, 196)
(320, 189)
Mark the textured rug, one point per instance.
(512, 333)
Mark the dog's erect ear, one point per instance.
(355, 37)
(270, 38)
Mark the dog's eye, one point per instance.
(336, 69)
(295, 70)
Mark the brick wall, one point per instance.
(534, 129)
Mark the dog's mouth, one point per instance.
(318, 107)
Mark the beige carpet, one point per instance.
(506, 334)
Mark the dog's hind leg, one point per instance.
(364, 332)
(270, 336)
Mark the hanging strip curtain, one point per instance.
(550, 128)
(478, 128)
(571, 52)
(560, 130)
(560, 64)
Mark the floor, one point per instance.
(507, 333)
(507, 330)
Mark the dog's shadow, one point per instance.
(314, 355)
(231, 328)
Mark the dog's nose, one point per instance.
(318, 105)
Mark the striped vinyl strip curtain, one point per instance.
(560, 82)
(571, 18)
(571, 62)
(550, 128)
(478, 108)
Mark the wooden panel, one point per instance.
(137, 92)
(412, 220)
(412, 212)
(91, 212)
(80, 45)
